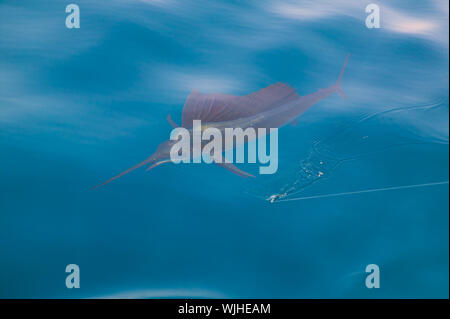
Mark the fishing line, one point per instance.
(317, 165)
(357, 157)
(426, 106)
(364, 191)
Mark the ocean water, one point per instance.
(78, 106)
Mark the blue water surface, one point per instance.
(78, 106)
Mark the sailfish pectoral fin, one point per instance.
(338, 83)
(341, 93)
(171, 122)
(232, 168)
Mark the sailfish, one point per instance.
(271, 107)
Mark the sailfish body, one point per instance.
(271, 107)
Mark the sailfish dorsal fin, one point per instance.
(216, 107)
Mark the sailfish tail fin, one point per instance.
(338, 83)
